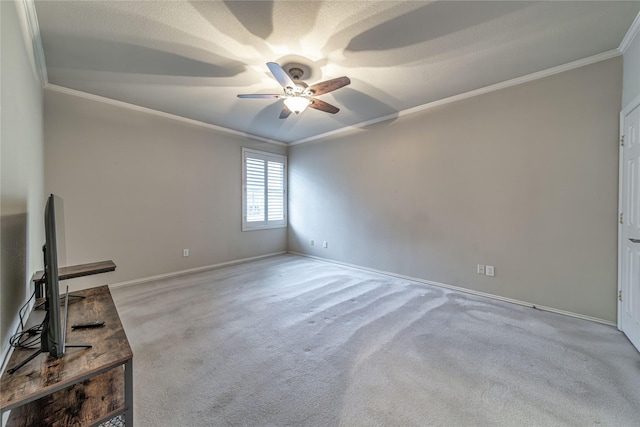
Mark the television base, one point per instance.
(24, 362)
(39, 352)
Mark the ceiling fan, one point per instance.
(297, 94)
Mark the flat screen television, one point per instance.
(54, 325)
(52, 340)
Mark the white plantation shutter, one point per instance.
(264, 184)
(275, 191)
(255, 189)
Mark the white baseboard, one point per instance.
(465, 290)
(15, 326)
(192, 270)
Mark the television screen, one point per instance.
(53, 334)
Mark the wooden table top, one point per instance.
(44, 374)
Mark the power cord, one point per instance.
(29, 338)
(24, 306)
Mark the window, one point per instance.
(264, 190)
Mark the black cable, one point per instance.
(25, 305)
(29, 338)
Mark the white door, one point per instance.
(629, 297)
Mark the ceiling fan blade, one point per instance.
(259, 95)
(286, 112)
(329, 85)
(281, 75)
(323, 106)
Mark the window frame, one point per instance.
(265, 156)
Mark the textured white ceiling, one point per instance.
(191, 59)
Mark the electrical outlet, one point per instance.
(490, 270)
(311, 242)
(185, 252)
(480, 269)
(325, 244)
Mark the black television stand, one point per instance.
(39, 352)
(24, 362)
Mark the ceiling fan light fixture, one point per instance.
(297, 104)
(297, 94)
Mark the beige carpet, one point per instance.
(291, 341)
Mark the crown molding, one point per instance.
(29, 11)
(491, 88)
(128, 106)
(38, 52)
(632, 33)
(487, 89)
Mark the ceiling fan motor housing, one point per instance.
(296, 73)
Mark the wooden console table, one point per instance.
(86, 386)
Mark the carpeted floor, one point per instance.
(292, 341)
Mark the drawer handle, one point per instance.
(634, 240)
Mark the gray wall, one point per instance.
(22, 169)
(631, 80)
(138, 188)
(524, 179)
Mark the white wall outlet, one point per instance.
(490, 270)
(325, 244)
(311, 242)
(185, 252)
(480, 269)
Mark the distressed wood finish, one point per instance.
(45, 375)
(85, 403)
(80, 270)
